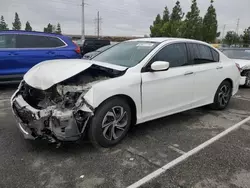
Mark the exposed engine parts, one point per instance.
(55, 114)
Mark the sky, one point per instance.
(119, 17)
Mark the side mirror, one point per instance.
(160, 66)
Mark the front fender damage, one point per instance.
(62, 112)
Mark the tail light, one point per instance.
(238, 66)
(77, 50)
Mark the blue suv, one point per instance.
(21, 50)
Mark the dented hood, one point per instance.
(48, 73)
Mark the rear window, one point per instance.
(7, 41)
(36, 41)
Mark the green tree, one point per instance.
(3, 25)
(28, 27)
(231, 38)
(165, 17)
(210, 24)
(58, 29)
(172, 28)
(246, 37)
(48, 29)
(17, 23)
(177, 13)
(193, 23)
(156, 27)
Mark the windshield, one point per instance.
(238, 53)
(127, 54)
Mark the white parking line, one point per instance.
(186, 155)
(176, 150)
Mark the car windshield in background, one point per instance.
(238, 53)
(103, 48)
(127, 54)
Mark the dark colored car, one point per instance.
(96, 52)
(21, 50)
(90, 45)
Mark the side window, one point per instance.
(206, 53)
(52, 42)
(27, 41)
(216, 55)
(36, 41)
(200, 54)
(175, 54)
(7, 41)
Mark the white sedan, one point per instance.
(131, 83)
(242, 57)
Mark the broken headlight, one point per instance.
(70, 99)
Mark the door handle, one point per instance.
(220, 67)
(50, 52)
(188, 73)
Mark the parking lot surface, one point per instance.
(148, 147)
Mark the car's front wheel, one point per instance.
(247, 84)
(222, 96)
(110, 123)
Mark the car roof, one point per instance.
(164, 39)
(29, 32)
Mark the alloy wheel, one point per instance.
(224, 95)
(114, 123)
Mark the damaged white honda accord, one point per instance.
(133, 82)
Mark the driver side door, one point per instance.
(170, 91)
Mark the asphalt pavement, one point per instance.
(149, 146)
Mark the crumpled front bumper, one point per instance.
(52, 124)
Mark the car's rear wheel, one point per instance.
(110, 123)
(222, 96)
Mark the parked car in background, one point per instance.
(96, 52)
(133, 82)
(90, 45)
(242, 57)
(21, 50)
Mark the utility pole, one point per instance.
(237, 27)
(98, 24)
(83, 21)
(223, 32)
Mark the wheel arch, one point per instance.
(230, 81)
(130, 102)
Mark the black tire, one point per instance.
(218, 102)
(96, 131)
(247, 85)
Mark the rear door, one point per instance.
(207, 72)
(34, 49)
